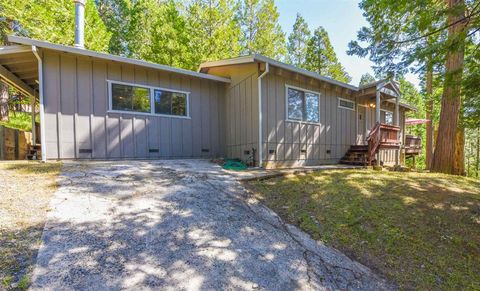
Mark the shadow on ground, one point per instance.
(178, 225)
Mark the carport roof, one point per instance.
(85, 52)
(19, 68)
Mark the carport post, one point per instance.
(32, 104)
(42, 109)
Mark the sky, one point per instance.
(342, 19)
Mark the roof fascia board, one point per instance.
(15, 49)
(228, 62)
(85, 52)
(303, 72)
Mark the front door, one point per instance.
(361, 125)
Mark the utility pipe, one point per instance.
(79, 23)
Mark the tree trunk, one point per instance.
(3, 102)
(459, 158)
(445, 149)
(429, 116)
(478, 152)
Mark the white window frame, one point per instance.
(286, 104)
(391, 112)
(152, 100)
(346, 100)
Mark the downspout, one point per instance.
(260, 133)
(42, 108)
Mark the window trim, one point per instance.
(152, 100)
(287, 86)
(391, 112)
(346, 100)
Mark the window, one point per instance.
(346, 104)
(170, 103)
(130, 98)
(302, 105)
(389, 117)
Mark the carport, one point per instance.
(19, 67)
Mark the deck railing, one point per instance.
(382, 136)
(413, 145)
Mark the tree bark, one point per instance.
(459, 158)
(429, 116)
(3, 102)
(478, 152)
(446, 144)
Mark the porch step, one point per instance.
(356, 155)
(34, 152)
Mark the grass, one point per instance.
(19, 120)
(419, 230)
(26, 189)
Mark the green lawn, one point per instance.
(20, 120)
(419, 230)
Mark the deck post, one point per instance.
(397, 123)
(377, 117)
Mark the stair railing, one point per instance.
(373, 139)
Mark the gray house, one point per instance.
(268, 113)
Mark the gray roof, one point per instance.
(260, 58)
(85, 52)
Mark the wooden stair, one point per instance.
(34, 152)
(356, 155)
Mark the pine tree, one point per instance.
(213, 30)
(321, 57)
(169, 42)
(116, 16)
(261, 32)
(366, 79)
(298, 42)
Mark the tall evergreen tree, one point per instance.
(116, 16)
(366, 78)
(213, 30)
(261, 32)
(402, 36)
(169, 37)
(321, 57)
(53, 21)
(298, 42)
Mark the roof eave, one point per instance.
(85, 52)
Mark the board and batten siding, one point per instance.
(241, 112)
(80, 126)
(290, 143)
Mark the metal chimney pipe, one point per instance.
(79, 23)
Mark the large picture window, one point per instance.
(140, 99)
(170, 103)
(302, 105)
(130, 98)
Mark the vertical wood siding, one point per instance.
(288, 143)
(76, 104)
(241, 114)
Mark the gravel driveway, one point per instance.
(178, 225)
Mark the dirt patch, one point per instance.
(26, 189)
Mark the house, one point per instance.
(267, 113)
(101, 106)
